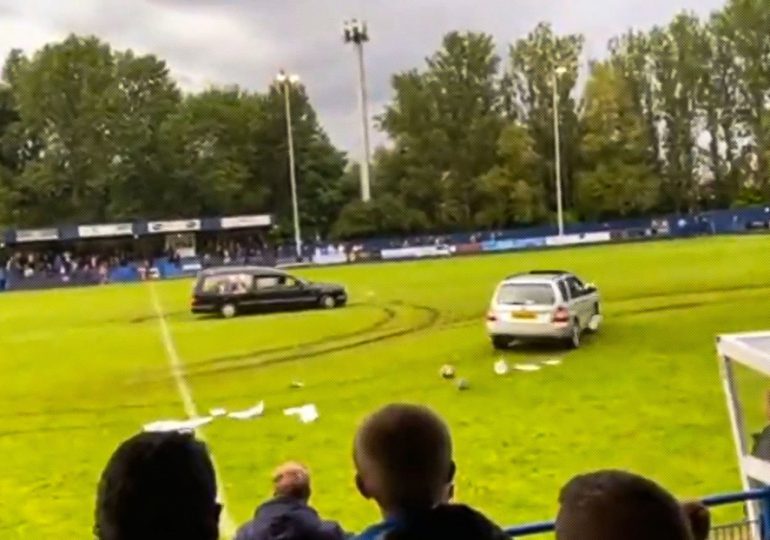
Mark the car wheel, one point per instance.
(327, 302)
(575, 336)
(228, 311)
(501, 343)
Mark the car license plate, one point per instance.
(526, 315)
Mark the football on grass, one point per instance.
(447, 371)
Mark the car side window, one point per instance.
(576, 288)
(265, 282)
(564, 291)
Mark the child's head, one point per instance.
(403, 458)
(617, 505)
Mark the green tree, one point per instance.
(444, 122)
(61, 95)
(681, 69)
(631, 55)
(511, 191)
(142, 97)
(534, 63)
(384, 214)
(720, 103)
(616, 178)
(208, 148)
(743, 24)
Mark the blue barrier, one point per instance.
(732, 530)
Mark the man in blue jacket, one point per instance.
(288, 516)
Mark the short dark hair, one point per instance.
(158, 486)
(618, 505)
(405, 452)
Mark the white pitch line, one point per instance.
(176, 365)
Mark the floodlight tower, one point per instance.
(285, 83)
(557, 73)
(356, 32)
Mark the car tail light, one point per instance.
(491, 317)
(561, 315)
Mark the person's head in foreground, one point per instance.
(158, 486)
(292, 480)
(287, 515)
(403, 458)
(617, 505)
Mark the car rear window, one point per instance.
(525, 293)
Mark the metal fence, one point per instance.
(738, 530)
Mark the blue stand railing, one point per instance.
(761, 495)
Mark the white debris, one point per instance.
(594, 323)
(217, 412)
(256, 410)
(297, 384)
(501, 367)
(177, 425)
(552, 362)
(306, 413)
(526, 367)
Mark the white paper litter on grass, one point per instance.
(247, 414)
(306, 413)
(552, 362)
(501, 367)
(178, 425)
(526, 367)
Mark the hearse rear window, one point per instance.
(228, 284)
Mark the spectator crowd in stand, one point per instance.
(64, 264)
(162, 485)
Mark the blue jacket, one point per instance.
(445, 522)
(286, 518)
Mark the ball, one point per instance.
(447, 371)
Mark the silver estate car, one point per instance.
(544, 304)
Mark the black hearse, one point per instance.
(231, 290)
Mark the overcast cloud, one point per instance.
(247, 41)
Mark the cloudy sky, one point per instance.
(247, 41)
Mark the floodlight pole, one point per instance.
(285, 81)
(557, 150)
(357, 33)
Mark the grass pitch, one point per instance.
(83, 369)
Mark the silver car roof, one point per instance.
(537, 277)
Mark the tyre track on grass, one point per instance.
(389, 315)
(388, 312)
(432, 316)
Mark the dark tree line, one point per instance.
(674, 119)
(90, 134)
